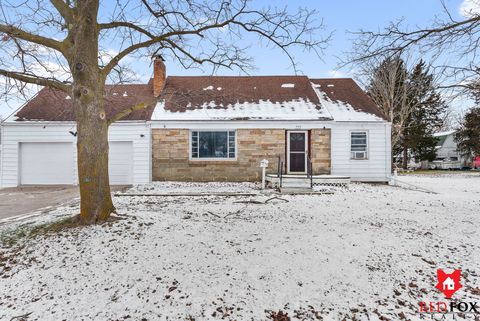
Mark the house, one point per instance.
(207, 128)
(446, 146)
(448, 284)
(447, 155)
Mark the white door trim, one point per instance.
(288, 150)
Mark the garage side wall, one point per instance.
(14, 134)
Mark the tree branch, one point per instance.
(408, 39)
(115, 60)
(64, 10)
(15, 32)
(116, 24)
(36, 80)
(126, 112)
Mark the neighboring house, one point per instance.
(206, 129)
(446, 146)
(447, 155)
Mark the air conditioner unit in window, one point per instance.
(359, 155)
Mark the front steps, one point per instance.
(303, 183)
(301, 191)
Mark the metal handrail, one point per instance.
(281, 173)
(310, 171)
(278, 166)
(280, 170)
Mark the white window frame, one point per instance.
(367, 153)
(212, 159)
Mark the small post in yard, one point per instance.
(393, 181)
(263, 165)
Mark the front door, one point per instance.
(297, 149)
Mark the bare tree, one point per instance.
(451, 45)
(59, 44)
(408, 96)
(387, 85)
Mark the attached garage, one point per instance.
(39, 142)
(120, 163)
(36, 154)
(46, 163)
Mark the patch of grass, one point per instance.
(9, 238)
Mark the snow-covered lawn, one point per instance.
(367, 252)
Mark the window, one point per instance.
(358, 145)
(213, 144)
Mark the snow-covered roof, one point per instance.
(222, 98)
(263, 98)
(298, 109)
(239, 98)
(54, 105)
(346, 101)
(341, 110)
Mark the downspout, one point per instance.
(388, 163)
(148, 124)
(387, 174)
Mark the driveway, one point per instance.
(26, 199)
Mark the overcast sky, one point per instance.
(340, 17)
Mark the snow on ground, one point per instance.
(193, 187)
(367, 252)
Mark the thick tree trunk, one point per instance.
(92, 126)
(92, 145)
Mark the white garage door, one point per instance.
(46, 163)
(120, 163)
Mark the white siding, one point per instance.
(15, 133)
(449, 148)
(377, 168)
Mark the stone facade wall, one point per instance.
(320, 151)
(170, 152)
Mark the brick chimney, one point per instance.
(159, 75)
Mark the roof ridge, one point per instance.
(256, 76)
(337, 78)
